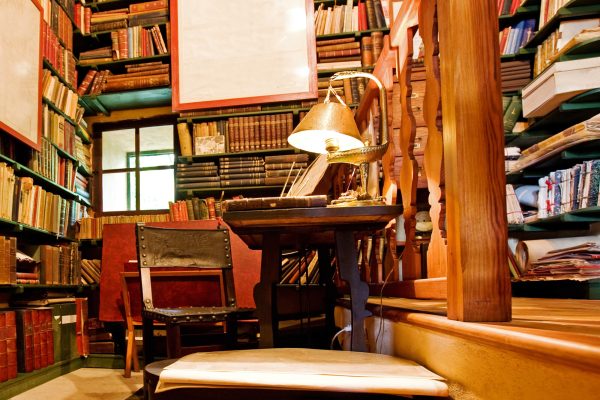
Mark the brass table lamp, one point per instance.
(329, 128)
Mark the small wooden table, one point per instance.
(277, 229)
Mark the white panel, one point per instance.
(19, 67)
(241, 48)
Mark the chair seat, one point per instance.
(197, 314)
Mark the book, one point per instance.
(274, 202)
(558, 83)
(185, 139)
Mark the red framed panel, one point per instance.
(21, 70)
(237, 52)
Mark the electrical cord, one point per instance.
(377, 343)
(347, 328)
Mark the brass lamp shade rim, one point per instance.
(324, 124)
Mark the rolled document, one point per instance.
(528, 251)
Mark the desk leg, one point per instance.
(264, 290)
(359, 291)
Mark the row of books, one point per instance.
(82, 186)
(236, 134)
(508, 7)
(569, 189)
(58, 56)
(548, 9)
(512, 38)
(60, 95)
(30, 204)
(368, 14)
(351, 90)
(514, 75)
(82, 17)
(195, 209)
(36, 337)
(51, 165)
(566, 36)
(91, 227)
(299, 268)
(83, 153)
(248, 109)
(28, 341)
(151, 12)
(90, 271)
(58, 265)
(240, 171)
(59, 21)
(57, 130)
(127, 43)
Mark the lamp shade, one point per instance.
(326, 125)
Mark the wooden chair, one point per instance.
(180, 255)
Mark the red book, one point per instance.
(49, 335)
(3, 355)
(81, 327)
(11, 344)
(147, 6)
(24, 340)
(362, 17)
(37, 340)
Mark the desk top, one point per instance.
(313, 225)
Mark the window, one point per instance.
(137, 168)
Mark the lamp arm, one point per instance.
(370, 153)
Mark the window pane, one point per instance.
(157, 188)
(156, 146)
(118, 191)
(115, 148)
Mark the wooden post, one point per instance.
(478, 277)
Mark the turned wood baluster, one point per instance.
(408, 173)
(433, 160)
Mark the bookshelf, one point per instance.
(124, 55)
(571, 218)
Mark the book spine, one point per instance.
(148, 6)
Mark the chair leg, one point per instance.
(148, 337)
(128, 354)
(173, 341)
(134, 353)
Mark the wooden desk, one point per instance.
(277, 229)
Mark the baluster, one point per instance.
(408, 173)
(433, 159)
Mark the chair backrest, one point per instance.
(176, 250)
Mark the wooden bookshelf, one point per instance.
(574, 9)
(104, 103)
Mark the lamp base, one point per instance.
(353, 198)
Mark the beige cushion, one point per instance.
(302, 369)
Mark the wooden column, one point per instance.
(478, 277)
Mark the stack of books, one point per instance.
(242, 171)
(283, 169)
(138, 76)
(108, 20)
(27, 269)
(338, 53)
(348, 18)
(197, 175)
(514, 75)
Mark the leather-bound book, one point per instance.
(39, 349)
(85, 83)
(330, 42)
(286, 158)
(377, 45)
(148, 6)
(137, 83)
(371, 19)
(48, 334)
(3, 349)
(379, 17)
(366, 51)
(11, 344)
(24, 340)
(274, 202)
